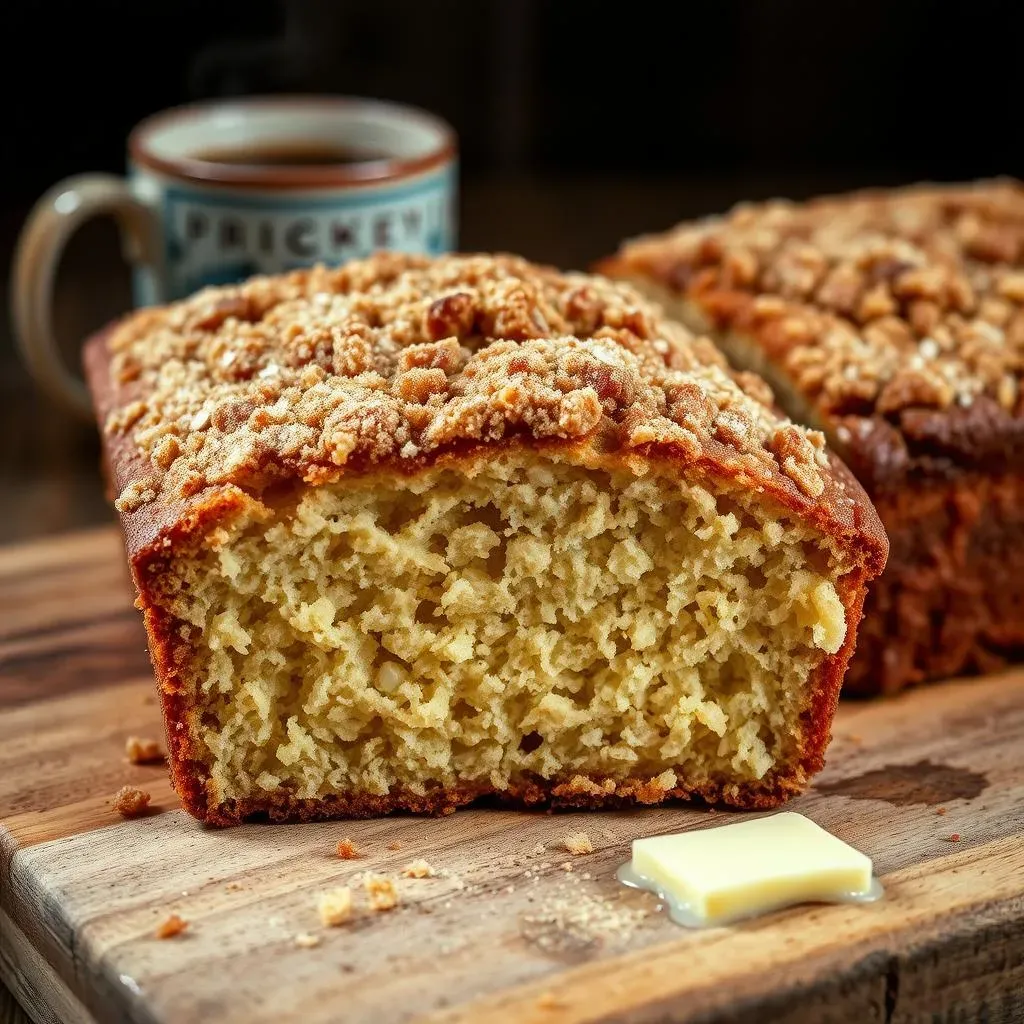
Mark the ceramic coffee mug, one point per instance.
(219, 191)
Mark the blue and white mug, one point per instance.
(222, 190)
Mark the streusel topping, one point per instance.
(873, 302)
(395, 357)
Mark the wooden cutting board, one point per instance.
(512, 928)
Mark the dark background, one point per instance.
(579, 123)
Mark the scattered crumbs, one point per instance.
(549, 1001)
(142, 751)
(510, 889)
(347, 850)
(566, 866)
(395, 845)
(382, 892)
(578, 843)
(587, 876)
(184, 892)
(131, 802)
(578, 921)
(458, 883)
(418, 869)
(233, 886)
(955, 837)
(306, 941)
(335, 906)
(539, 849)
(172, 925)
(941, 810)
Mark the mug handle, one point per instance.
(52, 222)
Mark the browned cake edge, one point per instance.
(948, 486)
(156, 530)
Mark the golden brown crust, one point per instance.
(606, 380)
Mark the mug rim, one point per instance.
(210, 172)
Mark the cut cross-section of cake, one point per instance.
(893, 321)
(411, 532)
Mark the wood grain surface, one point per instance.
(506, 931)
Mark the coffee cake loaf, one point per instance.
(412, 532)
(894, 322)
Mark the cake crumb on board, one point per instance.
(394, 845)
(172, 925)
(418, 869)
(549, 1001)
(306, 941)
(335, 906)
(382, 892)
(578, 843)
(347, 850)
(131, 802)
(143, 751)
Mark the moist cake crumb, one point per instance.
(578, 843)
(418, 869)
(335, 906)
(171, 925)
(381, 891)
(131, 802)
(143, 751)
(347, 850)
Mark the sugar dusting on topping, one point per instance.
(878, 301)
(396, 357)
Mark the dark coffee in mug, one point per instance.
(291, 154)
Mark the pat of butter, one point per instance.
(719, 875)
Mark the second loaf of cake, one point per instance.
(411, 532)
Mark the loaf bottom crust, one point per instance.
(517, 626)
(951, 599)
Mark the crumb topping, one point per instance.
(143, 751)
(335, 906)
(171, 925)
(578, 843)
(381, 892)
(873, 302)
(347, 850)
(418, 869)
(395, 357)
(130, 802)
